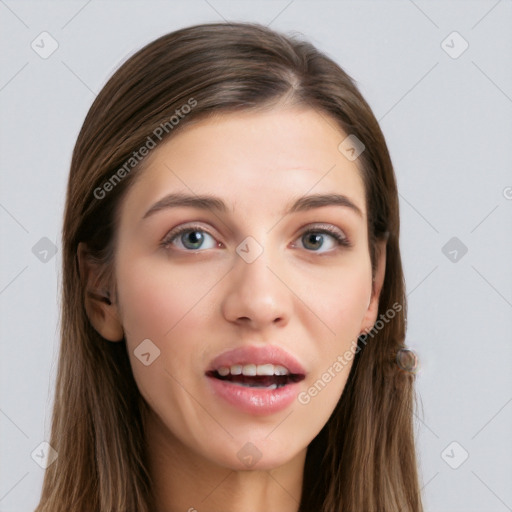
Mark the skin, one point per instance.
(194, 305)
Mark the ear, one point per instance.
(378, 280)
(101, 311)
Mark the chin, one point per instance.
(257, 455)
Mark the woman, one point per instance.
(234, 311)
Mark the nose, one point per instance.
(257, 295)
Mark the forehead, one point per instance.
(253, 160)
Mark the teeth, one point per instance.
(265, 369)
(272, 386)
(236, 369)
(280, 370)
(251, 370)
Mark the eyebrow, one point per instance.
(209, 202)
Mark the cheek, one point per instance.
(342, 304)
(171, 306)
(341, 300)
(156, 298)
(351, 300)
(166, 306)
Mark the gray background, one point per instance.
(448, 125)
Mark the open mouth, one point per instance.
(265, 376)
(256, 380)
(259, 381)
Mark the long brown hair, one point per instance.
(364, 458)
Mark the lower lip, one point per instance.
(256, 401)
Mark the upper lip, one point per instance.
(258, 355)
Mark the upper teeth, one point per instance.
(250, 370)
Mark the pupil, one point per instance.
(195, 238)
(314, 239)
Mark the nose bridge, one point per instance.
(256, 294)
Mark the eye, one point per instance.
(189, 238)
(193, 238)
(314, 239)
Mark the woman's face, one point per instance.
(244, 277)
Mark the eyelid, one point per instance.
(319, 226)
(338, 234)
(178, 230)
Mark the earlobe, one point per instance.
(101, 311)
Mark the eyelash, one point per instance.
(341, 240)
